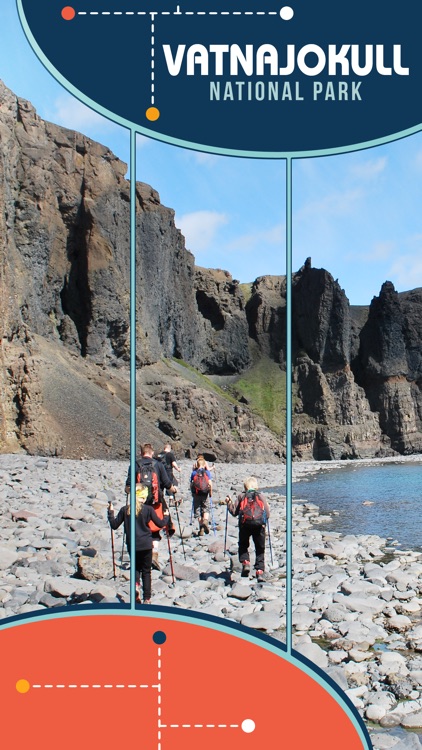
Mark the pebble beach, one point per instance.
(356, 598)
(55, 543)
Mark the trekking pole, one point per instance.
(124, 532)
(191, 514)
(113, 557)
(170, 556)
(112, 553)
(212, 517)
(216, 483)
(225, 532)
(269, 540)
(180, 529)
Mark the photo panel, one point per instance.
(210, 378)
(356, 429)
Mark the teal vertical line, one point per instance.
(289, 509)
(132, 359)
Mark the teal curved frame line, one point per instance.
(195, 619)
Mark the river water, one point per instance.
(393, 489)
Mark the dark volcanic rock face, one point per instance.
(357, 371)
(389, 364)
(321, 317)
(65, 296)
(64, 316)
(222, 309)
(341, 423)
(266, 313)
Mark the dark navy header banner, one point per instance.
(261, 79)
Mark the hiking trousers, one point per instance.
(143, 563)
(258, 535)
(201, 505)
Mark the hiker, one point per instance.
(152, 473)
(168, 459)
(201, 488)
(143, 538)
(207, 465)
(253, 511)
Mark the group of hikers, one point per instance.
(155, 485)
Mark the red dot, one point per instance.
(68, 13)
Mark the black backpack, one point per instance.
(252, 510)
(147, 477)
(162, 458)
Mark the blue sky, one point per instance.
(358, 215)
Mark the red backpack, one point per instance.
(252, 510)
(200, 484)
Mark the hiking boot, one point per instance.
(246, 566)
(137, 593)
(201, 531)
(155, 563)
(260, 576)
(146, 601)
(206, 527)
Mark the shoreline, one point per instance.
(304, 468)
(357, 613)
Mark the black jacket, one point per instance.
(163, 478)
(142, 532)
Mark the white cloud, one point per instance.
(200, 228)
(142, 141)
(418, 160)
(379, 251)
(71, 113)
(275, 235)
(406, 272)
(208, 160)
(333, 204)
(369, 169)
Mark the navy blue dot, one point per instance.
(159, 637)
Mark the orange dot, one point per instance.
(152, 113)
(68, 13)
(22, 686)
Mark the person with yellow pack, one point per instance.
(144, 515)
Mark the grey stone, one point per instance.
(399, 623)
(240, 592)
(314, 653)
(337, 674)
(73, 514)
(389, 721)
(94, 568)
(67, 587)
(262, 621)
(48, 600)
(411, 742)
(101, 592)
(8, 556)
(412, 721)
(182, 572)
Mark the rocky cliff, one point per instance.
(64, 297)
(357, 371)
(209, 359)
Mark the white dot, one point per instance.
(286, 13)
(248, 726)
